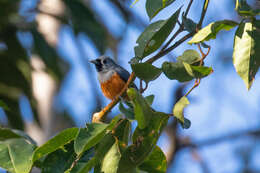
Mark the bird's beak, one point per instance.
(94, 61)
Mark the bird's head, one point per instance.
(104, 64)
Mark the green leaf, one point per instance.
(153, 7)
(197, 71)
(16, 155)
(155, 163)
(178, 112)
(189, 25)
(142, 110)
(57, 142)
(89, 136)
(146, 71)
(6, 134)
(189, 56)
(106, 148)
(3, 105)
(122, 131)
(128, 112)
(102, 148)
(246, 51)
(154, 36)
(211, 31)
(176, 70)
(111, 160)
(60, 160)
(149, 99)
(144, 141)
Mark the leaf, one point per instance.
(246, 51)
(243, 9)
(106, 148)
(16, 155)
(60, 160)
(3, 105)
(211, 31)
(142, 110)
(128, 112)
(189, 25)
(178, 112)
(144, 141)
(154, 36)
(111, 160)
(153, 7)
(57, 142)
(6, 134)
(149, 99)
(89, 136)
(155, 163)
(197, 71)
(146, 71)
(189, 56)
(176, 70)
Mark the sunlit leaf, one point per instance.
(211, 30)
(197, 71)
(246, 51)
(178, 112)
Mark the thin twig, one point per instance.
(196, 84)
(188, 8)
(204, 10)
(161, 54)
(143, 89)
(180, 29)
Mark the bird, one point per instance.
(111, 76)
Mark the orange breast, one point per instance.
(112, 87)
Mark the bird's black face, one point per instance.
(98, 64)
(103, 64)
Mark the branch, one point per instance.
(99, 116)
(162, 53)
(219, 139)
(204, 10)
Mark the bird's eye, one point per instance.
(104, 61)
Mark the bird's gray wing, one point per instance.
(124, 74)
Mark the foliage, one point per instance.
(106, 147)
